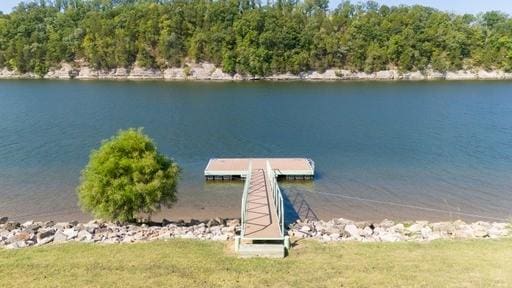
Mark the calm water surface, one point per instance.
(432, 150)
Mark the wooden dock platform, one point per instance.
(262, 202)
(227, 168)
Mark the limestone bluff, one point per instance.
(207, 71)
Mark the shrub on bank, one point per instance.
(127, 176)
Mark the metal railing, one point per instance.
(277, 197)
(244, 199)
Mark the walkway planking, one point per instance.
(262, 220)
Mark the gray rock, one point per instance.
(353, 231)
(212, 222)
(461, 233)
(83, 235)
(9, 226)
(335, 236)
(426, 232)
(16, 245)
(233, 222)
(389, 237)
(62, 225)
(386, 223)
(45, 234)
(414, 229)
(194, 222)
(91, 228)
(305, 229)
(28, 223)
(367, 232)
(33, 227)
(165, 222)
(44, 241)
(60, 237)
(481, 233)
(70, 233)
(443, 227)
(4, 220)
(398, 228)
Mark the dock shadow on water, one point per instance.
(296, 207)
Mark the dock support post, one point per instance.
(287, 242)
(237, 244)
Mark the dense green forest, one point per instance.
(250, 37)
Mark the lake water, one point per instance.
(409, 150)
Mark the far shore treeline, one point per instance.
(251, 37)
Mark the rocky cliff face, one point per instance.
(208, 71)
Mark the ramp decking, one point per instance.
(262, 222)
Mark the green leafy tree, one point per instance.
(249, 37)
(127, 176)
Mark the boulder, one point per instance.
(445, 228)
(83, 235)
(4, 220)
(9, 226)
(426, 233)
(386, 223)
(305, 229)
(44, 241)
(398, 228)
(335, 236)
(165, 222)
(60, 237)
(389, 237)
(45, 234)
(16, 245)
(70, 233)
(233, 222)
(34, 227)
(24, 236)
(300, 234)
(367, 232)
(193, 222)
(28, 223)
(62, 225)
(353, 231)
(414, 229)
(212, 222)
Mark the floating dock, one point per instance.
(262, 213)
(232, 168)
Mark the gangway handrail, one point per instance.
(277, 197)
(244, 200)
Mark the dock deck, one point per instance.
(224, 168)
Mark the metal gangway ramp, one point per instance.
(262, 231)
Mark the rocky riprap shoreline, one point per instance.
(15, 235)
(389, 231)
(19, 235)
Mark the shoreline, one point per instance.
(15, 235)
(209, 72)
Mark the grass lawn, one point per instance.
(192, 263)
